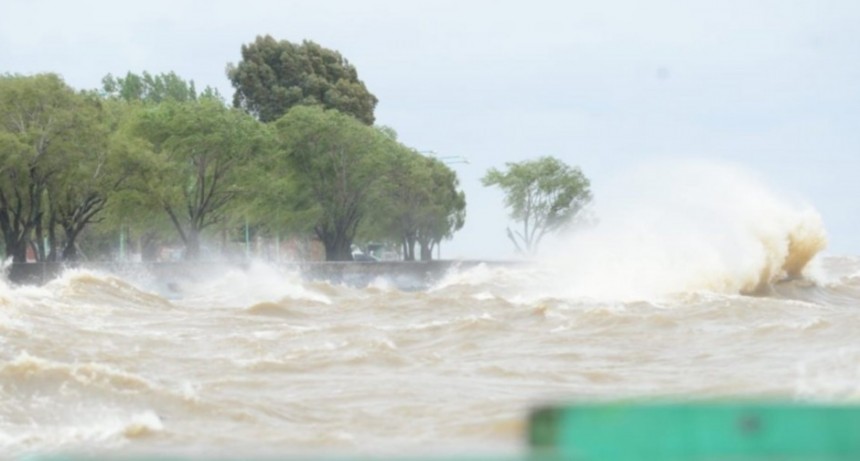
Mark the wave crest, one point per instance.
(690, 226)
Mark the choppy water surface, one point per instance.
(258, 361)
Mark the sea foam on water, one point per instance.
(687, 226)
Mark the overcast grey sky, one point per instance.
(773, 86)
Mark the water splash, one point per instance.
(687, 226)
(258, 283)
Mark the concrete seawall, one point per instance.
(405, 275)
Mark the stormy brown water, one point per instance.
(258, 361)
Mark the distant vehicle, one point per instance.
(361, 257)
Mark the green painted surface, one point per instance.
(672, 432)
(626, 432)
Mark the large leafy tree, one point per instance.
(445, 210)
(544, 195)
(334, 160)
(199, 150)
(60, 163)
(136, 211)
(274, 76)
(39, 119)
(418, 202)
(99, 164)
(397, 199)
(133, 217)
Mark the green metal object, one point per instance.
(676, 432)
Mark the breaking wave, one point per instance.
(686, 227)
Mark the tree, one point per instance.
(334, 161)
(544, 195)
(100, 164)
(153, 88)
(397, 200)
(198, 148)
(418, 202)
(274, 76)
(37, 117)
(445, 211)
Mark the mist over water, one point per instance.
(687, 226)
(259, 361)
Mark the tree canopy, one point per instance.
(199, 148)
(55, 164)
(419, 202)
(153, 88)
(335, 160)
(544, 195)
(273, 76)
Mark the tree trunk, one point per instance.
(18, 251)
(16, 246)
(148, 244)
(337, 249)
(70, 250)
(408, 249)
(426, 251)
(52, 239)
(192, 245)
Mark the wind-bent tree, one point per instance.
(60, 160)
(544, 195)
(273, 76)
(334, 160)
(397, 199)
(37, 118)
(199, 148)
(445, 211)
(99, 165)
(417, 202)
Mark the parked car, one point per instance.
(361, 257)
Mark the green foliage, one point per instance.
(199, 150)
(132, 210)
(334, 160)
(149, 157)
(445, 211)
(63, 161)
(544, 195)
(273, 76)
(153, 88)
(418, 202)
(94, 167)
(40, 117)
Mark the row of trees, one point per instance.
(150, 156)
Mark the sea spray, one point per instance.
(686, 226)
(259, 282)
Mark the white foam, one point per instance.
(686, 226)
(260, 282)
(105, 431)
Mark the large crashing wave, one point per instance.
(688, 226)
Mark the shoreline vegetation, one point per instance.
(147, 162)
